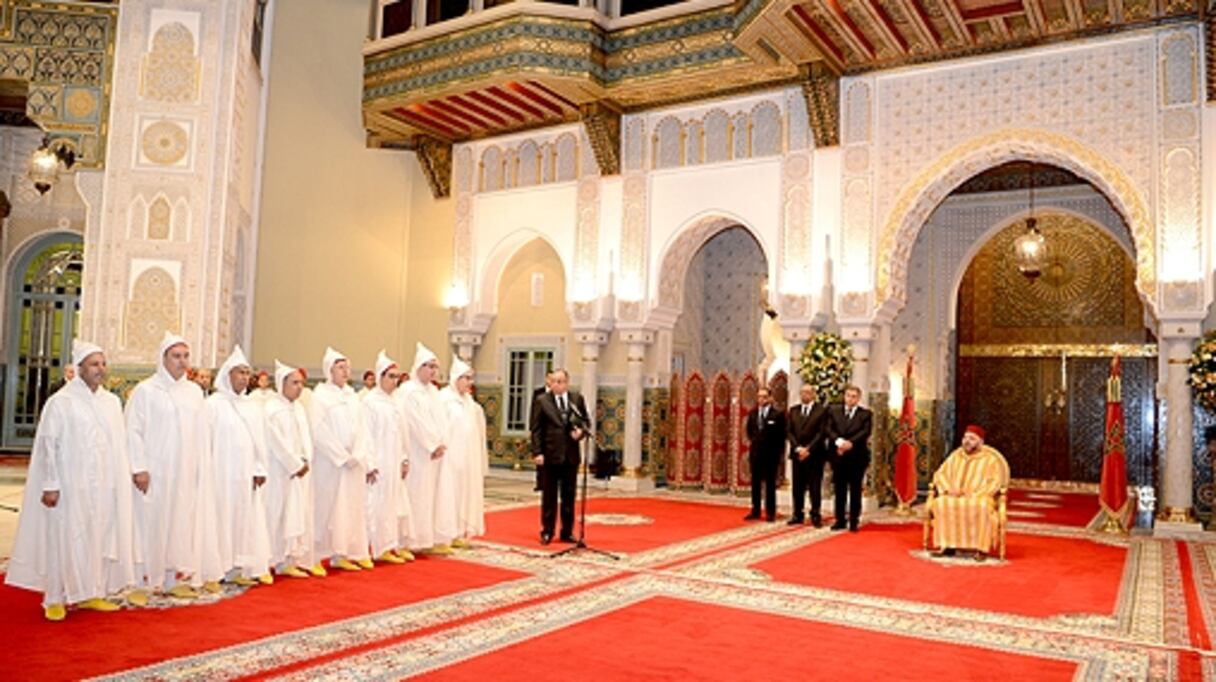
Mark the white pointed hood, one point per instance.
(383, 364)
(328, 361)
(422, 355)
(237, 359)
(281, 372)
(83, 349)
(166, 343)
(459, 369)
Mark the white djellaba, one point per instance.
(388, 503)
(467, 456)
(431, 490)
(82, 548)
(339, 467)
(175, 520)
(238, 445)
(288, 479)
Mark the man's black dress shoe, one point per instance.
(772, 517)
(567, 538)
(816, 522)
(852, 528)
(546, 538)
(838, 526)
(794, 521)
(751, 517)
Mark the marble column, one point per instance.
(633, 408)
(1175, 506)
(589, 382)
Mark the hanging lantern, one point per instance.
(44, 164)
(1030, 250)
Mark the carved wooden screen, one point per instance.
(719, 442)
(675, 427)
(692, 445)
(779, 388)
(741, 478)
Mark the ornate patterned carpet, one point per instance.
(699, 595)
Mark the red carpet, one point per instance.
(670, 639)
(1045, 576)
(91, 643)
(673, 521)
(1050, 506)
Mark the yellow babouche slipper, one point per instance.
(406, 555)
(267, 579)
(182, 591)
(137, 598)
(344, 564)
(441, 550)
(390, 558)
(55, 612)
(318, 571)
(212, 586)
(365, 564)
(461, 543)
(98, 605)
(243, 581)
(292, 572)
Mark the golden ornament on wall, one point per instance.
(164, 143)
(81, 104)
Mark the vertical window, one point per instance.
(526, 370)
(259, 26)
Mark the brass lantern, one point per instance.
(1030, 248)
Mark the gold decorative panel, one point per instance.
(1086, 294)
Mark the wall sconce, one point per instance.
(43, 166)
(457, 297)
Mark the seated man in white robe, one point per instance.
(339, 468)
(168, 442)
(288, 483)
(467, 456)
(432, 495)
(388, 502)
(239, 450)
(75, 536)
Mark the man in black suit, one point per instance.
(849, 435)
(808, 435)
(559, 422)
(766, 431)
(540, 470)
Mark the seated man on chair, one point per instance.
(964, 511)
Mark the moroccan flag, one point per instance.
(1114, 499)
(905, 452)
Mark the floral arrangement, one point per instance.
(827, 364)
(1202, 369)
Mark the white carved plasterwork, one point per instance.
(586, 241)
(1092, 108)
(634, 237)
(462, 237)
(1180, 215)
(795, 282)
(857, 230)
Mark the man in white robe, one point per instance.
(340, 468)
(75, 536)
(431, 492)
(388, 502)
(466, 456)
(168, 442)
(288, 483)
(239, 450)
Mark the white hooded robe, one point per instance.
(388, 501)
(431, 491)
(239, 446)
(83, 547)
(340, 502)
(288, 497)
(467, 456)
(167, 437)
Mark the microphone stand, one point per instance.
(580, 543)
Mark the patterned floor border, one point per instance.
(1097, 658)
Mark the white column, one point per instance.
(589, 384)
(633, 407)
(1175, 508)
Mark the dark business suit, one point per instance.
(849, 469)
(551, 438)
(808, 427)
(767, 438)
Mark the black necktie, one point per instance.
(806, 409)
(763, 413)
(851, 413)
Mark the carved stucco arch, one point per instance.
(919, 197)
(678, 255)
(501, 255)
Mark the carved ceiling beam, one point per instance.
(1034, 16)
(435, 157)
(1115, 9)
(821, 88)
(999, 27)
(602, 121)
(849, 30)
(916, 14)
(1076, 14)
(954, 17)
(882, 21)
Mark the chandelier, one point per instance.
(1030, 249)
(44, 163)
